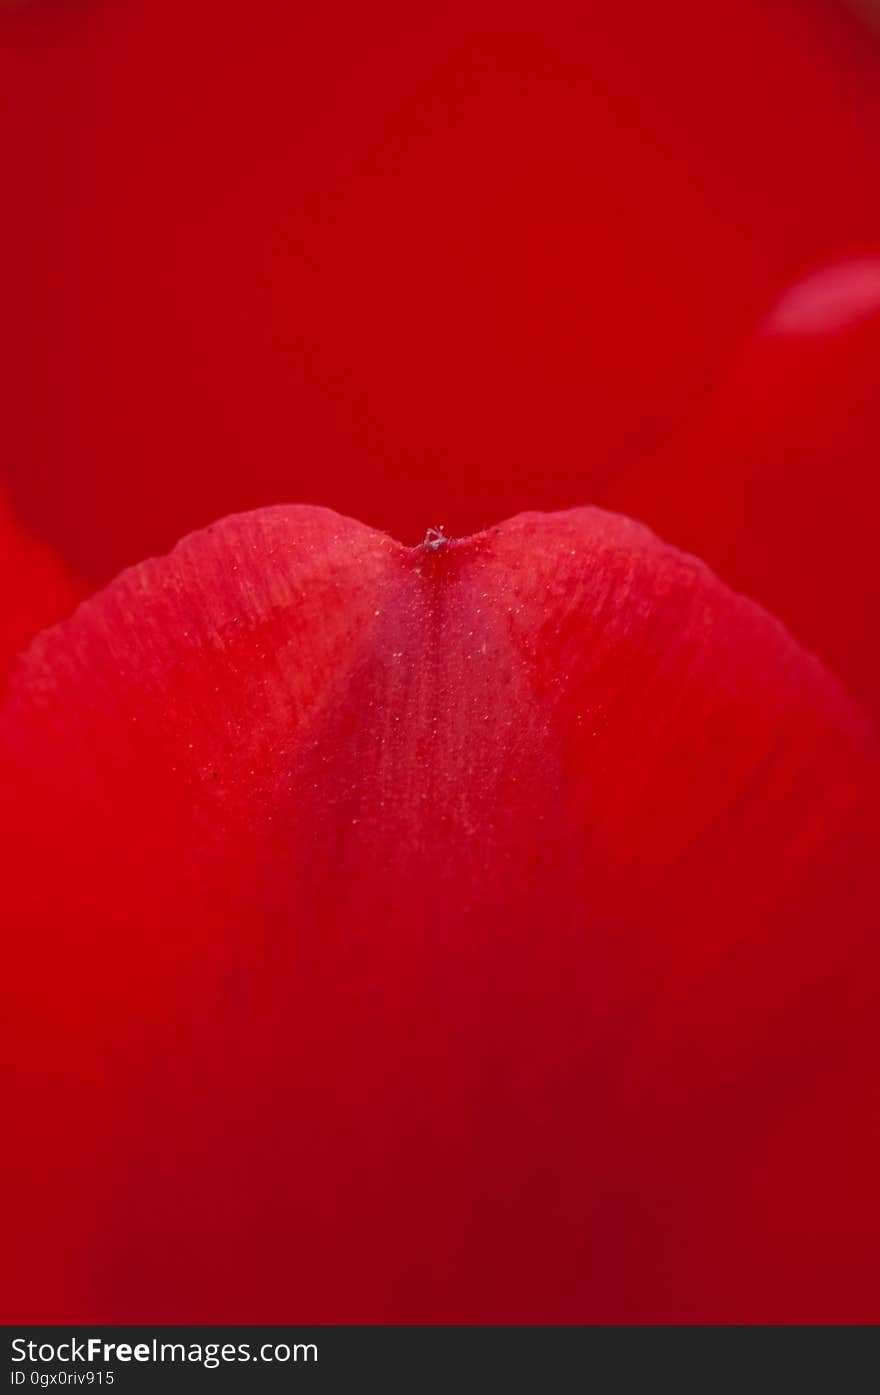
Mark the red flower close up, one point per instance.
(481, 928)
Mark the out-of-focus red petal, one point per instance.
(776, 482)
(36, 589)
(477, 931)
(419, 264)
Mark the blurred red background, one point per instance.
(423, 266)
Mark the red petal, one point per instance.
(478, 931)
(421, 264)
(776, 482)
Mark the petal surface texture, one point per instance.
(477, 931)
(775, 482)
(422, 265)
